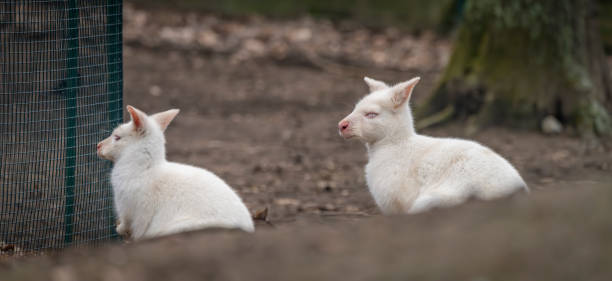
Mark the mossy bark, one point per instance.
(515, 62)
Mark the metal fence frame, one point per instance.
(61, 91)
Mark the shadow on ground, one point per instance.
(549, 235)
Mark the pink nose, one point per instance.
(343, 125)
(98, 146)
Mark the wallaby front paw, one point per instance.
(123, 230)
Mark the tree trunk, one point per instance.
(515, 62)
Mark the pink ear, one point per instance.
(136, 118)
(402, 92)
(163, 119)
(408, 91)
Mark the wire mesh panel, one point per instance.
(60, 94)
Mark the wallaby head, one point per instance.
(382, 114)
(143, 135)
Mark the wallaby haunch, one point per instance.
(411, 173)
(154, 197)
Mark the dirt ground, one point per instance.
(551, 235)
(269, 129)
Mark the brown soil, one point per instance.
(560, 234)
(269, 130)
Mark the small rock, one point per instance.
(155, 91)
(326, 186)
(330, 165)
(547, 180)
(310, 206)
(254, 189)
(138, 18)
(550, 125)
(254, 46)
(286, 202)
(257, 168)
(301, 35)
(560, 155)
(279, 170)
(180, 36)
(208, 38)
(286, 135)
(297, 159)
(379, 57)
(327, 207)
(63, 273)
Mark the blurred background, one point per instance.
(262, 85)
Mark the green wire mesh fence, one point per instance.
(60, 93)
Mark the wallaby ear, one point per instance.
(138, 118)
(402, 91)
(163, 119)
(375, 85)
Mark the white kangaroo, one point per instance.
(411, 173)
(154, 197)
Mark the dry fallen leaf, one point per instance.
(261, 214)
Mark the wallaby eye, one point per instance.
(371, 115)
(116, 137)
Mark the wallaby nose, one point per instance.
(343, 125)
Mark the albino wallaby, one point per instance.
(411, 173)
(154, 197)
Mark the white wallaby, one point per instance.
(154, 197)
(411, 173)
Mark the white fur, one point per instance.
(411, 173)
(154, 197)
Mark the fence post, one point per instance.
(115, 66)
(71, 119)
